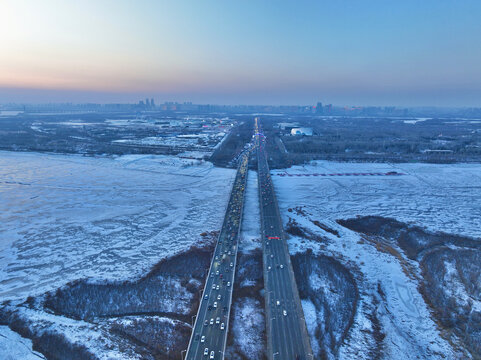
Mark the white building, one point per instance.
(287, 125)
(302, 131)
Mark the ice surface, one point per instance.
(68, 217)
(440, 197)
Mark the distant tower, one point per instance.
(147, 102)
(319, 108)
(152, 102)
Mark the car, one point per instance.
(282, 266)
(222, 326)
(212, 354)
(206, 296)
(202, 339)
(231, 264)
(209, 307)
(217, 321)
(228, 283)
(220, 276)
(206, 351)
(269, 267)
(217, 272)
(211, 322)
(215, 304)
(213, 286)
(218, 287)
(219, 297)
(272, 256)
(196, 337)
(284, 312)
(278, 302)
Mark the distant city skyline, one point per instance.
(374, 52)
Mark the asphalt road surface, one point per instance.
(287, 336)
(209, 336)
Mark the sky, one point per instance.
(369, 52)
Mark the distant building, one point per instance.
(152, 102)
(301, 131)
(319, 108)
(287, 125)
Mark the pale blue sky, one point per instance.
(271, 52)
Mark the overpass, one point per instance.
(287, 336)
(209, 335)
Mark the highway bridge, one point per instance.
(287, 336)
(209, 335)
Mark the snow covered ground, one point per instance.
(439, 197)
(251, 223)
(68, 217)
(14, 347)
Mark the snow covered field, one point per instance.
(69, 217)
(439, 197)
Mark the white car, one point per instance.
(215, 304)
(282, 266)
(202, 339)
(211, 321)
(269, 267)
(231, 264)
(218, 287)
(206, 296)
(206, 351)
(278, 302)
(228, 283)
(284, 312)
(272, 256)
(222, 326)
(219, 297)
(217, 321)
(213, 286)
(212, 354)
